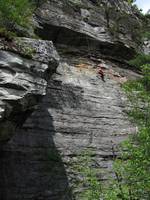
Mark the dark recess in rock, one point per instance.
(85, 43)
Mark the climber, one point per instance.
(101, 72)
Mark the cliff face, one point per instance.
(109, 27)
(23, 79)
(80, 110)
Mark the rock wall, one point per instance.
(109, 27)
(80, 110)
(25, 66)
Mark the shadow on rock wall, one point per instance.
(31, 165)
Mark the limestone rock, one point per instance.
(109, 27)
(79, 112)
(23, 79)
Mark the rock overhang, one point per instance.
(61, 22)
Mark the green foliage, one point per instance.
(26, 50)
(146, 35)
(145, 19)
(15, 13)
(133, 169)
(88, 181)
(130, 1)
(140, 60)
(4, 33)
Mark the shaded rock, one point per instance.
(79, 112)
(109, 27)
(23, 79)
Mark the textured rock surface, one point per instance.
(146, 47)
(23, 80)
(109, 27)
(80, 111)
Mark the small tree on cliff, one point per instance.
(15, 13)
(131, 1)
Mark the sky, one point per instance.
(143, 4)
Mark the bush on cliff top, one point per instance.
(15, 13)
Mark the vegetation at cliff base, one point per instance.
(87, 185)
(133, 169)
